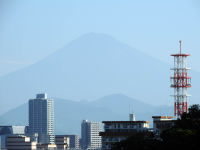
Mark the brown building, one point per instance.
(161, 123)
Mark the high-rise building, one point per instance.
(74, 141)
(90, 138)
(41, 118)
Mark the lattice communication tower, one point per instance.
(180, 82)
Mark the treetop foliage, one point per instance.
(184, 135)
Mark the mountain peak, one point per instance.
(89, 67)
(92, 39)
(97, 36)
(116, 95)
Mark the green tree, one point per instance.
(140, 141)
(184, 135)
(186, 132)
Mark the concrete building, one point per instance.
(10, 130)
(161, 123)
(90, 138)
(20, 142)
(46, 146)
(62, 142)
(41, 118)
(73, 141)
(115, 131)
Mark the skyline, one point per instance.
(32, 30)
(108, 62)
(116, 108)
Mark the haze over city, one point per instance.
(33, 30)
(95, 59)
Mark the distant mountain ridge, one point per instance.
(69, 114)
(90, 67)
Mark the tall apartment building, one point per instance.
(90, 138)
(41, 118)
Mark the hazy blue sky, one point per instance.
(31, 30)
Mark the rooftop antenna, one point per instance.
(131, 114)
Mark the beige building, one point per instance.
(20, 142)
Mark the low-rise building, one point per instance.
(10, 130)
(46, 146)
(115, 131)
(161, 123)
(73, 141)
(20, 142)
(62, 142)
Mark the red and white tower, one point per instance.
(180, 82)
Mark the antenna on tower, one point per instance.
(180, 45)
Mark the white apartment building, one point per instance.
(90, 138)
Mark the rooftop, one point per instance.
(125, 121)
(162, 117)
